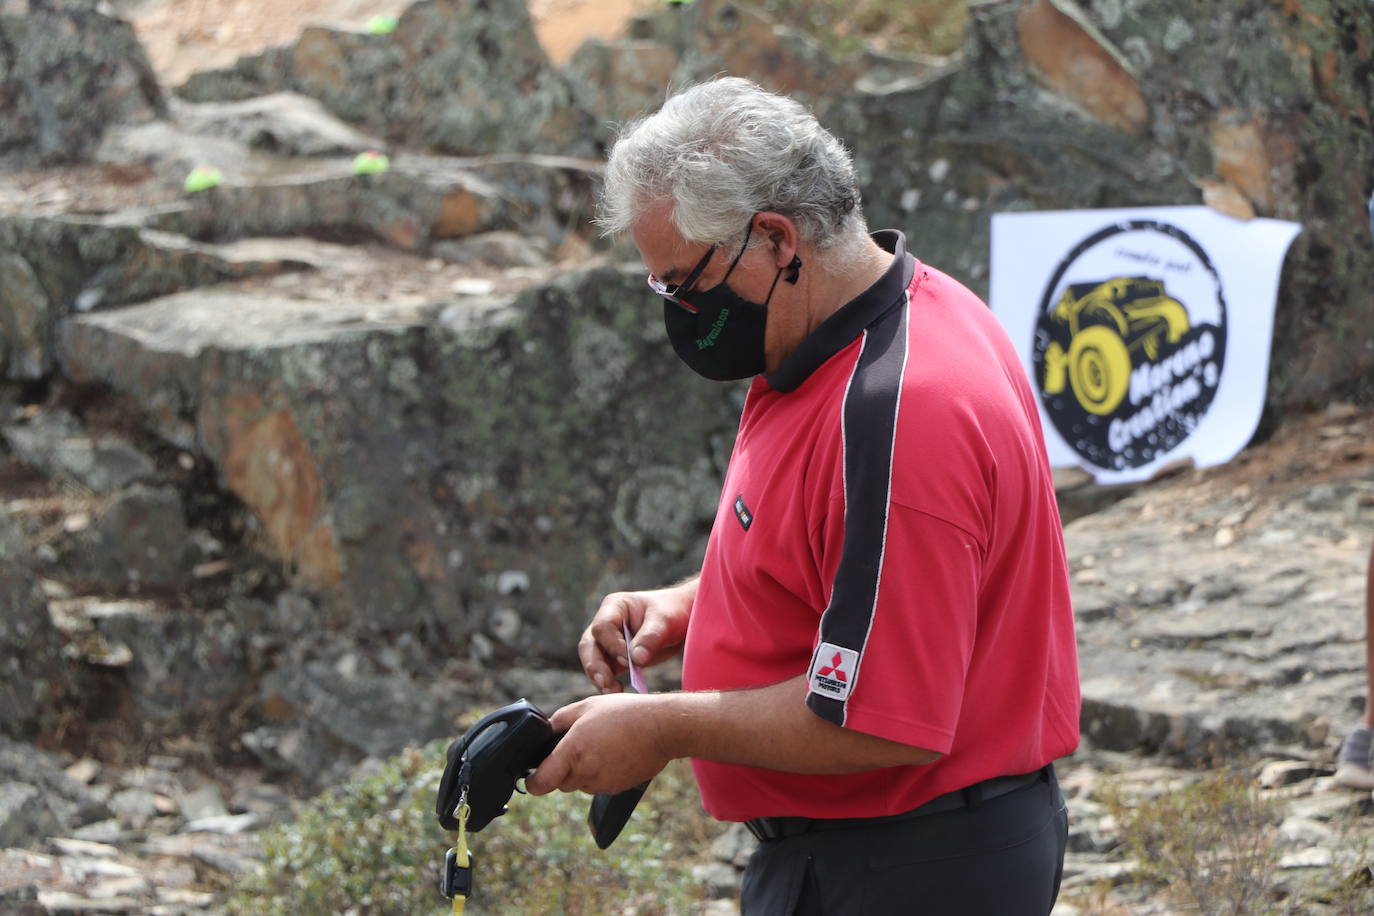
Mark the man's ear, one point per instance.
(782, 234)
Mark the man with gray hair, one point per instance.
(878, 654)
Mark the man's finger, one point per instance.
(550, 774)
(593, 659)
(647, 642)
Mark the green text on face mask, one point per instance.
(710, 338)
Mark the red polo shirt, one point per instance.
(888, 527)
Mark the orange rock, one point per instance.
(1225, 197)
(460, 214)
(1256, 157)
(1081, 66)
(269, 467)
(319, 63)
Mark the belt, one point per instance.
(780, 828)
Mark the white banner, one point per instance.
(1145, 332)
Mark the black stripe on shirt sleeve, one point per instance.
(869, 431)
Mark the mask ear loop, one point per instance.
(795, 266)
(748, 231)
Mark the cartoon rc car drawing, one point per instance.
(1107, 322)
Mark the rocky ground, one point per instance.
(1220, 623)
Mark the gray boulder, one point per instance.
(482, 472)
(322, 722)
(140, 540)
(1206, 635)
(54, 442)
(50, 268)
(67, 71)
(25, 820)
(38, 799)
(457, 76)
(33, 674)
(284, 123)
(419, 201)
(257, 139)
(183, 664)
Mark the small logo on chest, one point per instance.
(746, 518)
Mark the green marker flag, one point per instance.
(203, 178)
(371, 163)
(382, 25)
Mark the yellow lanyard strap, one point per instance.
(458, 864)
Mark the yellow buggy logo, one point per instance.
(1129, 343)
(1106, 321)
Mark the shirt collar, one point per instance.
(840, 329)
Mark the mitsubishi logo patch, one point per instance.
(746, 518)
(833, 670)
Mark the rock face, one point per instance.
(66, 72)
(479, 471)
(1256, 108)
(419, 201)
(33, 675)
(457, 76)
(1221, 615)
(1260, 107)
(50, 268)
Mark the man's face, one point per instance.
(671, 259)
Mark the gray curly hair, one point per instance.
(724, 150)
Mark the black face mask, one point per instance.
(724, 338)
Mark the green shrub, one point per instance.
(918, 26)
(1212, 843)
(373, 848)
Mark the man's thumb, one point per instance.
(646, 644)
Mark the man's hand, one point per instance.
(615, 742)
(658, 620)
(612, 743)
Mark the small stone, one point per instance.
(205, 802)
(1305, 831)
(80, 868)
(84, 771)
(70, 846)
(1330, 806)
(127, 886)
(718, 879)
(472, 286)
(61, 903)
(185, 897)
(225, 824)
(512, 581)
(136, 806)
(107, 831)
(1224, 538)
(1286, 773)
(504, 623)
(734, 846)
(1313, 857)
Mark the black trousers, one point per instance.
(1000, 857)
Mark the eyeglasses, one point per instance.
(673, 291)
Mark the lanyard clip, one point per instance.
(456, 880)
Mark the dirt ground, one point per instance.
(184, 36)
